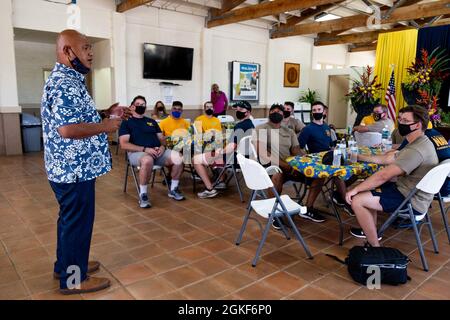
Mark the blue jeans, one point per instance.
(75, 225)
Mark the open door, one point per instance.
(337, 102)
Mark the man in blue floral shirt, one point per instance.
(76, 153)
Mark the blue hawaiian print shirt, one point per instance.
(65, 101)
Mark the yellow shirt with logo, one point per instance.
(368, 120)
(174, 127)
(204, 123)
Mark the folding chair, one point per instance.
(443, 200)
(431, 183)
(134, 175)
(245, 148)
(257, 179)
(225, 118)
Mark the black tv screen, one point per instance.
(167, 62)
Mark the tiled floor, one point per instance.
(185, 250)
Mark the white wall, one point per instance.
(31, 60)
(361, 59)
(101, 87)
(334, 54)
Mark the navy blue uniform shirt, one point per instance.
(316, 137)
(143, 132)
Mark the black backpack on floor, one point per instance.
(391, 262)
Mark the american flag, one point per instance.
(390, 97)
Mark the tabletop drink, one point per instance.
(337, 157)
(388, 144)
(343, 148)
(351, 141)
(385, 132)
(354, 153)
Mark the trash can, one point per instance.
(31, 133)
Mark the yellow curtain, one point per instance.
(397, 49)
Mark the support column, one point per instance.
(10, 135)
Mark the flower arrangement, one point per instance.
(366, 89)
(425, 77)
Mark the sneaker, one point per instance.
(313, 214)
(221, 186)
(207, 194)
(337, 199)
(197, 177)
(348, 209)
(144, 202)
(176, 194)
(359, 233)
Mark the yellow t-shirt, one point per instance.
(171, 126)
(368, 120)
(204, 124)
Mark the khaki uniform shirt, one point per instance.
(294, 124)
(279, 142)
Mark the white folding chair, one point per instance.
(134, 175)
(225, 118)
(443, 200)
(368, 139)
(259, 121)
(431, 183)
(257, 179)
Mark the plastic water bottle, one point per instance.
(351, 141)
(337, 157)
(385, 133)
(388, 144)
(343, 148)
(354, 153)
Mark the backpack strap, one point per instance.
(335, 258)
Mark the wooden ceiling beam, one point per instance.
(131, 4)
(363, 47)
(227, 5)
(412, 12)
(262, 10)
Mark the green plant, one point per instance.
(366, 89)
(445, 117)
(309, 96)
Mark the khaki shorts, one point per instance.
(135, 157)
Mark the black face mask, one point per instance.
(324, 116)
(240, 115)
(209, 112)
(275, 117)
(405, 129)
(160, 109)
(78, 65)
(140, 109)
(317, 116)
(286, 114)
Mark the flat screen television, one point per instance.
(167, 62)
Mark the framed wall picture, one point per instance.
(291, 75)
(244, 81)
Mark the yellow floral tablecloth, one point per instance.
(312, 167)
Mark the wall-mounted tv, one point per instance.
(167, 62)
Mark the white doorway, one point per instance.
(337, 102)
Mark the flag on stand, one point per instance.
(390, 97)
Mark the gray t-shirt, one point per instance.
(379, 125)
(416, 159)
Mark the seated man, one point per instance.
(142, 137)
(174, 124)
(409, 166)
(317, 137)
(380, 115)
(289, 120)
(207, 121)
(242, 128)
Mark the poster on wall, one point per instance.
(244, 81)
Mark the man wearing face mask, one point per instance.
(408, 167)
(380, 115)
(289, 121)
(243, 127)
(142, 138)
(174, 124)
(76, 152)
(207, 121)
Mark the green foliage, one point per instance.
(309, 96)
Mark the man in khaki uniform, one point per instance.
(380, 115)
(409, 166)
(289, 120)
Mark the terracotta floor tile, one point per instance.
(116, 294)
(216, 245)
(204, 290)
(210, 265)
(172, 244)
(147, 251)
(132, 273)
(234, 256)
(284, 282)
(232, 280)
(150, 288)
(177, 295)
(261, 270)
(313, 293)
(196, 236)
(7, 275)
(259, 292)
(29, 255)
(42, 284)
(435, 288)
(366, 294)
(182, 276)
(163, 263)
(13, 291)
(159, 234)
(337, 285)
(191, 254)
(280, 259)
(133, 241)
(418, 296)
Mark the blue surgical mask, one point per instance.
(79, 66)
(176, 114)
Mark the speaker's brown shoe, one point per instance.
(93, 266)
(91, 284)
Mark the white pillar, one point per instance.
(119, 58)
(10, 138)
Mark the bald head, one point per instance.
(71, 44)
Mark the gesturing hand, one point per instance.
(111, 125)
(116, 111)
(349, 195)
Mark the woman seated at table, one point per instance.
(317, 137)
(408, 167)
(242, 128)
(159, 111)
